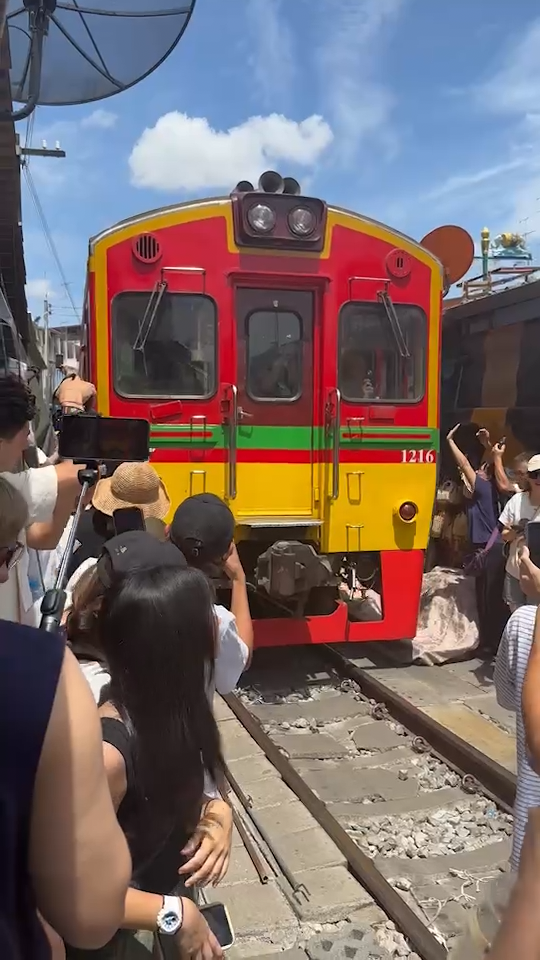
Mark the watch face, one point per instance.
(170, 922)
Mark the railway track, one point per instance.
(421, 817)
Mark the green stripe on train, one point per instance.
(292, 438)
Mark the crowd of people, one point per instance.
(114, 807)
(115, 799)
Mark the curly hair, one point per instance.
(17, 406)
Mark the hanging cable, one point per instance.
(49, 238)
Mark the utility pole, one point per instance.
(48, 375)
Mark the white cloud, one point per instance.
(186, 153)
(360, 103)
(100, 119)
(38, 289)
(515, 88)
(459, 183)
(271, 40)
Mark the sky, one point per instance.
(412, 112)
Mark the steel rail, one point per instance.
(496, 779)
(360, 866)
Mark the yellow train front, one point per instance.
(287, 356)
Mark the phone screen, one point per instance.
(128, 518)
(104, 438)
(217, 918)
(532, 539)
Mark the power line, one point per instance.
(48, 237)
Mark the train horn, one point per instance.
(292, 187)
(243, 186)
(271, 182)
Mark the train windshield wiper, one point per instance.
(150, 314)
(395, 325)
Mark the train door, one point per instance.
(274, 404)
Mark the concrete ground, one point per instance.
(267, 918)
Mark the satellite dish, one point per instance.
(62, 52)
(454, 247)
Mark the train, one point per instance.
(489, 373)
(287, 355)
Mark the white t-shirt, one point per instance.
(519, 509)
(39, 487)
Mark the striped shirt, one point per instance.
(510, 668)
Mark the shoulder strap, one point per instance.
(492, 539)
(115, 732)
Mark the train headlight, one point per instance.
(408, 511)
(302, 221)
(261, 218)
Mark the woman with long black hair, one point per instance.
(156, 629)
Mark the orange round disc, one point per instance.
(454, 247)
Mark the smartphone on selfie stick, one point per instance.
(88, 440)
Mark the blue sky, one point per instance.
(413, 112)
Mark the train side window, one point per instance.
(274, 355)
(170, 354)
(371, 365)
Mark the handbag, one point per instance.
(474, 566)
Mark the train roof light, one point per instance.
(261, 217)
(302, 221)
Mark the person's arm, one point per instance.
(79, 859)
(528, 567)
(503, 484)
(239, 600)
(462, 463)
(46, 535)
(209, 848)
(519, 933)
(508, 520)
(530, 701)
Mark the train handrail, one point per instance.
(232, 420)
(335, 425)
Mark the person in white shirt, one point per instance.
(50, 493)
(521, 509)
(203, 529)
(510, 669)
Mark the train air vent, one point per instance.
(146, 248)
(398, 264)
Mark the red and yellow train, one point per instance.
(287, 355)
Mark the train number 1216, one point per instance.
(418, 456)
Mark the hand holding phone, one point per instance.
(219, 921)
(532, 539)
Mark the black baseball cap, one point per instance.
(133, 551)
(203, 528)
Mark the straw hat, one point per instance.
(132, 485)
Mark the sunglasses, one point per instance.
(534, 474)
(11, 555)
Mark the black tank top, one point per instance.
(155, 865)
(30, 665)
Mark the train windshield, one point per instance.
(177, 355)
(372, 368)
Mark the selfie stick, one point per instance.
(54, 601)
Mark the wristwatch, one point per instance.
(171, 916)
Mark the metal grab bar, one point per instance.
(231, 418)
(334, 411)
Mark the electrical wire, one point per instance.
(49, 238)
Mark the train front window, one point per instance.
(170, 353)
(274, 355)
(377, 363)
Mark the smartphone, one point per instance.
(103, 438)
(532, 539)
(219, 921)
(128, 518)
